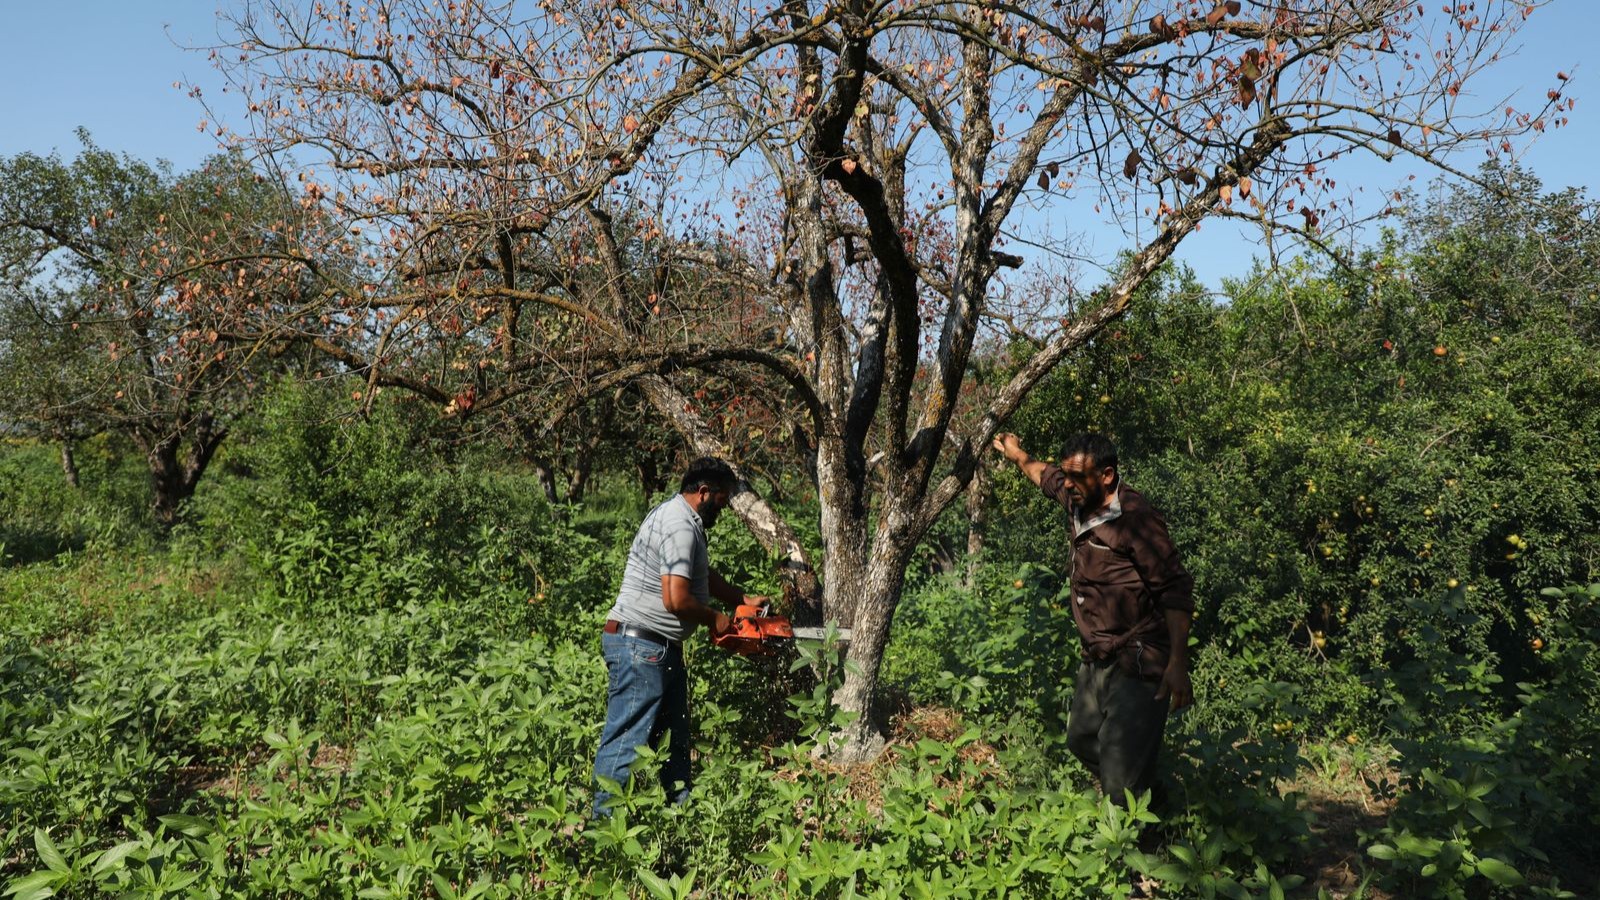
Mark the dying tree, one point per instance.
(143, 302)
(838, 196)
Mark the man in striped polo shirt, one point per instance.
(667, 588)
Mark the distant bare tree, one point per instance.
(141, 302)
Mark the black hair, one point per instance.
(1101, 452)
(710, 472)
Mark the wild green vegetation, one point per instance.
(365, 663)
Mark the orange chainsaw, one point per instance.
(756, 632)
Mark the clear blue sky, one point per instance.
(110, 67)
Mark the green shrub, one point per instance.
(1500, 795)
(41, 516)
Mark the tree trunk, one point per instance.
(546, 474)
(977, 519)
(650, 481)
(69, 463)
(874, 593)
(578, 478)
(583, 466)
(166, 482)
(175, 475)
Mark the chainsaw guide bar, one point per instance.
(817, 634)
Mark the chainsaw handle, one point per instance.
(752, 610)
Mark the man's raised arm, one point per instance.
(1011, 448)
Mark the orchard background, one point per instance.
(365, 663)
(321, 459)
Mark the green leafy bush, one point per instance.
(41, 516)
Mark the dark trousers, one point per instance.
(1115, 728)
(647, 701)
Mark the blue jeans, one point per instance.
(648, 699)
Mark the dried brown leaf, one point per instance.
(1247, 90)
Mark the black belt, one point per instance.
(615, 627)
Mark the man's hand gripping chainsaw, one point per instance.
(756, 632)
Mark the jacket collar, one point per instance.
(1111, 511)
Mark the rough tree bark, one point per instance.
(69, 461)
(177, 458)
(977, 521)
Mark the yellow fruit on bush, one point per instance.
(1017, 583)
(1537, 644)
(1452, 584)
(1351, 739)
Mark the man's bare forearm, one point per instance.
(1008, 445)
(1031, 467)
(724, 590)
(681, 602)
(1178, 621)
